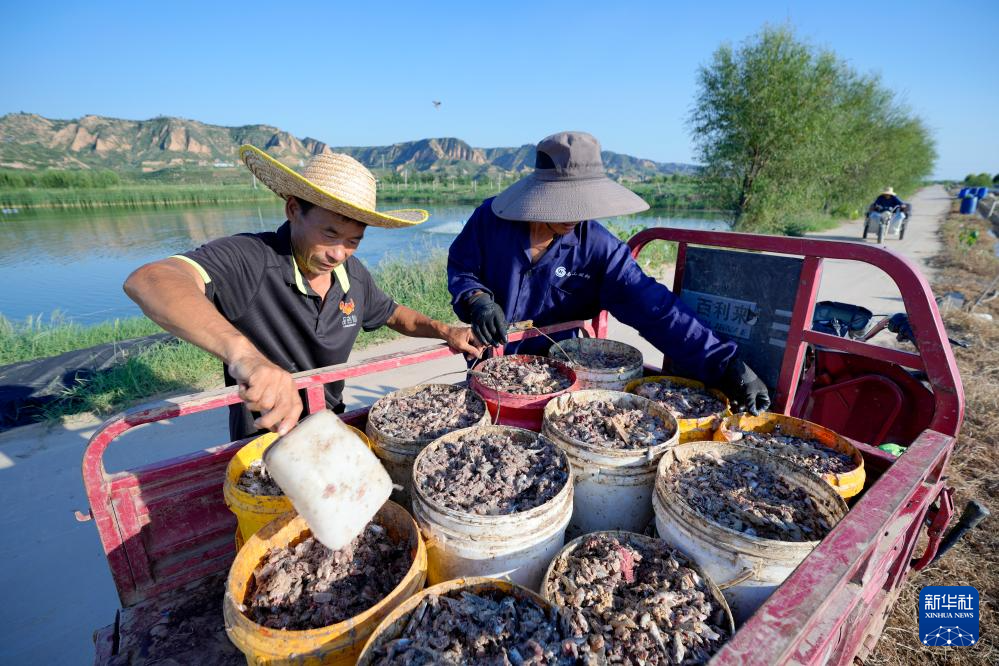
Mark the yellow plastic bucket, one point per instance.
(691, 430)
(255, 511)
(847, 484)
(338, 644)
(396, 622)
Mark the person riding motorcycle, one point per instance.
(887, 199)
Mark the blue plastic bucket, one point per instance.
(968, 205)
(982, 192)
(963, 193)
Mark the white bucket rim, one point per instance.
(595, 451)
(465, 516)
(745, 543)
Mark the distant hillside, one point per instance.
(29, 141)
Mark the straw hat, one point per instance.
(888, 190)
(568, 185)
(336, 182)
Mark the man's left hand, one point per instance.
(744, 388)
(461, 339)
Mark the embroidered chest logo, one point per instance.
(560, 271)
(349, 318)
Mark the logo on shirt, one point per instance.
(349, 318)
(561, 272)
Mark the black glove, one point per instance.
(488, 322)
(746, 391)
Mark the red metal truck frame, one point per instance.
(165, 525)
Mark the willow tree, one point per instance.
(784, 129)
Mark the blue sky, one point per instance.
(364, 73)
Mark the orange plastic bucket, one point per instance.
(337, 644)
(691, 430)
(847, 484)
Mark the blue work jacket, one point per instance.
(582, 273)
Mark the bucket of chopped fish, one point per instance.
(614, 441)
(473, 621)
(249, 490)
(698, 410)
(492, 501)
(291, 600)
(816, 448)
(634, 597)
(600, 363)
(747, 517)
(403, 422)
(516, 388)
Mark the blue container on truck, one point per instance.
(968, 205)
(963, 193)
(982, 192)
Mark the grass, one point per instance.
(37, 337)
(182, 186)
(132, 195)
(655, 257)
(967, 266)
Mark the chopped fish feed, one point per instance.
(606, 424)
(492, 473)
(490, 628)
(742, 495)
(432, 411)
(308, 586)
(536, 376)
(683, 402)
(637, 601)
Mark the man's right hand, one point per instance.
(488, 321)
(267, 389)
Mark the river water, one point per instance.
(74, 262)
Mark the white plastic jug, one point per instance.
(331, 477)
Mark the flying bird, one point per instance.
(437, 104)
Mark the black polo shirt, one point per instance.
(255, 283)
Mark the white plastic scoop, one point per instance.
(331, 477)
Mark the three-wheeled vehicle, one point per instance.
(887, 221)
(167, 533)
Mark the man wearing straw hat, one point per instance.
(536, 252)
(270, 304)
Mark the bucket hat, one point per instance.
(333, 181)
(568, 185)
(888, 190)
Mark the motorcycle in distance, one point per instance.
(887, 221)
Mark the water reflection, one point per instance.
(75, 262)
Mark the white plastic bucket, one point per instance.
(609, 379)
(748, 569)
(397, 454)
(613, 487)
(330, 475)
(515, 546)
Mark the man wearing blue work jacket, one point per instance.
(536, 251)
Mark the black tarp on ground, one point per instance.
(26, 387)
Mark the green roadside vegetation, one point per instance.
(178, 187)
(790, 134)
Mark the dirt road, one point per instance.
(54, 567)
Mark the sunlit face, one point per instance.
(562, 228)
(322, 239)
